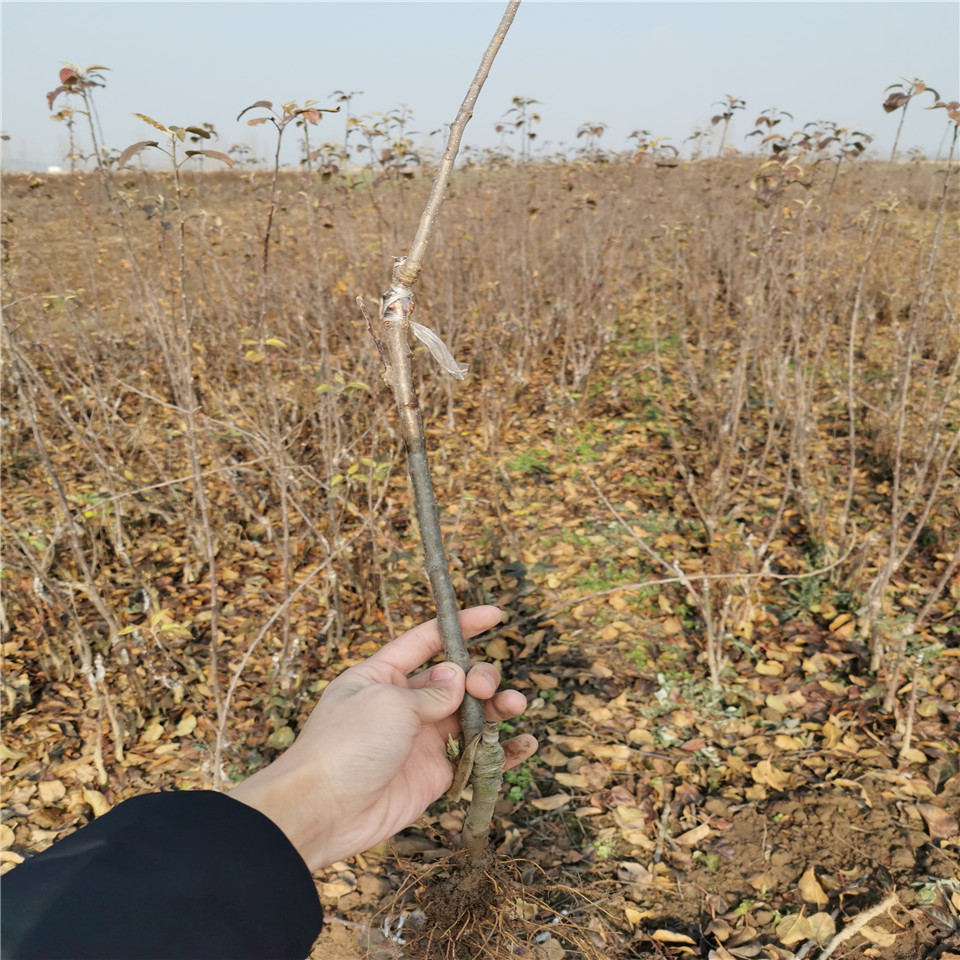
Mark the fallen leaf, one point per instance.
(186, 726)
(575, 780)
(766, 773)
(880, 937)
(153, 732)
(940, 823)
(51, 791)
(281, 737)
(769, 668)
(497, 649)
(524, 909)
(98, 802)
(630, 872)
(822, 927)
(692, 837)
(550, 803)
(668, 936)
(810, 888)
(793, 929)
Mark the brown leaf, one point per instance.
(941, 824)
(894, 102)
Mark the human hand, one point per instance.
(371, 757)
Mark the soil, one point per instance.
(709, 874)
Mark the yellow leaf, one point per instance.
(525, 910)
(274, 342)
(8, 753)
(253, 356)
(341, 286)
(186, 726)
(153, 732)
(810, 888)
(880, 937)
(831, 734)
(793, 929)
(770, 668)
(572, 780)
(98, 802)
(783, 742)
(766, 773)
(51, 791)
(668, 936)
(840, 621)
(777, 703)
(822, 927)
(692, 837)
(550, 803)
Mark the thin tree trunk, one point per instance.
(396, 306)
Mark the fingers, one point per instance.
(441, 695)
(420, 644)
(483, 680)
(517, 750)
(506, 705)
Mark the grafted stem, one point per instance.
(396, 306)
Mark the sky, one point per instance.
(631, 65)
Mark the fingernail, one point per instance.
(443, 673)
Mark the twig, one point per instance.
(556, 608)
(858, 922)
(911, 705)
(238, 672)
(938, 589)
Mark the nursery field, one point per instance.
(705, 459)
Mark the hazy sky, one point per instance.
(631, 65)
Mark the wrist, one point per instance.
(300, 811)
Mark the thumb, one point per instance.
(442, 693)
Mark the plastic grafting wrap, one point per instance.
(439, 350)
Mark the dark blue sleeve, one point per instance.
(168, 876)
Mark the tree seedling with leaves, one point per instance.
(729, 105)
(82, 81)
(900, 100)
(289, 113)
(523, 120)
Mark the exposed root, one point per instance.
(479, 908)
